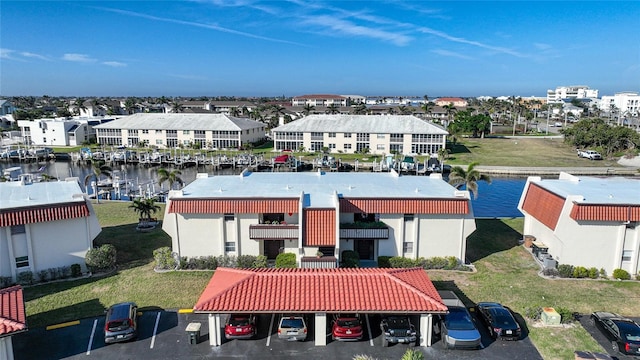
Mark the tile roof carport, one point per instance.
(320, 291)
(13, 318)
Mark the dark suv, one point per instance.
(398, 329)
(121, 323)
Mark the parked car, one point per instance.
(121, 322)
(499, 320)
(459, 331)
(590, 154)
(292, 328)
(623, 333)
(347, 327)
(398, 329)
(240, 326)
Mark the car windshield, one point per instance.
(117, 324)
(348, 322)
(398, 322)
(459, 319)
(239, 321)
(502, 317)
(291, 324)
(629, 331)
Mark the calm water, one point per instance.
(496, 200)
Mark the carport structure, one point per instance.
(318, 292)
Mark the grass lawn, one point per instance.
(506, 273)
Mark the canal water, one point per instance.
(496, 200)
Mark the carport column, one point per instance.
(426, 329)
(321, 329)
(6, 348)
(215, 333)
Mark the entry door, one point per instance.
(272, 248)
(364, 248)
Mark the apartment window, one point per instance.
(158, 131)
(347, 146)
(22, 261)
(185, 132)
(347, 135)
(380, 147)
(17, 229)
(230, 246)
(158, 141)
(332, 146)
(332, 135)
(626, 255)
(145, 131)
(407, 247)
(408, 217)
(229, 217)
(380, 136)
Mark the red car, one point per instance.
(240, 326)
(347, 327)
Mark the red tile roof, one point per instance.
(12, 314)
(404, 206)
(320, 96)
(543, 205)
(28, 215)
(599, 212)
(366, 290)
(320, 227)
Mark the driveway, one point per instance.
(602, 340)
(162, 336)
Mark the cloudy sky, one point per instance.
(274, 48)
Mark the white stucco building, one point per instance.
(320, 100)
(171, 130)
(624, 103)
(60, 131)
(380, 134)
(585, 221)
(307, 212)
(575, 91)
(44, 225)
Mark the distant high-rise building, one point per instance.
(568, 92)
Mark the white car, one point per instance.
(590, 154)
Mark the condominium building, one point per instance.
(566, 92)
(320, 100)
(171, 130)
(377, 134)
(60, 131)
(625, 103)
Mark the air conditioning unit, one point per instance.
(549, 263)
(543, 255)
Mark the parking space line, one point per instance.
(93, 332)
(270, 327)
(155, 330)
(58, 326)
(369, 329)
(185, 311)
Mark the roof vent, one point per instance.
(288, 187)
(351, 187)
(417, 190)
(220, 190)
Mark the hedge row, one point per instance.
(433, 263)
(167, 260)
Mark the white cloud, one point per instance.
(541, 46)
(78, 58)
(343, 27)
(451, 54)
(460, 40)
(114, 63)
(32, 55)
(6, 53)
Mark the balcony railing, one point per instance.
(364, 233)
(323, 262)
(273, 231)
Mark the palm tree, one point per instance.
(234, 111)
(427, 106)
(469, 178)
(308, 109)
(333, 109)
(451, 110)
(146, 208)
(171, 177)
(162, 100)
(130, 105)
(176, 107)
(360, 109)
(79, 105)
(98, 169)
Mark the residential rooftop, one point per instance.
(182, 121)
(595, 190)
(373, 124)
(16, 194)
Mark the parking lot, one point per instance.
(162, 336)
(602, 340)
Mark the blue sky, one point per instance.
(274, 48)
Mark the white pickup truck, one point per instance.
(589, 154)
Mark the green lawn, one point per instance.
(506, 273)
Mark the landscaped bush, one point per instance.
(43, 275)
(164, 258)
(401, 262)
(383, 261)
(566, 316)
(533, 313)
(76, 270)
(260, 262)
(286, 260)
(25, 278)
(65, 271)
(621, 274)
(603, 273)
(565, 270)
(53, 273)
(246, 261)
(5, 281)
(226, 261)
(593, 273)
(580, 272)
(101, 258)
(350, 259)
(550, 272)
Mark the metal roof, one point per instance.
(595, 190)
(15, 194)
(372, 124)
(182, 121)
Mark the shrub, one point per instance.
(101, 258)
(260, 262)
(580, 272)
(246, 261)
(603, 273)
(286, 260)
(566, 316)
(437, 263)
(593, 273)
(5, 281)
(565, 270)
(621, 274)
(383, 261)
(25, 278)
(164, 258)
(76, 270)
(64, 272)
(350, 259)
(226, 261)
(401, 262)
(550, 272)
(54, 274)
(43, 275)
(533, 313)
